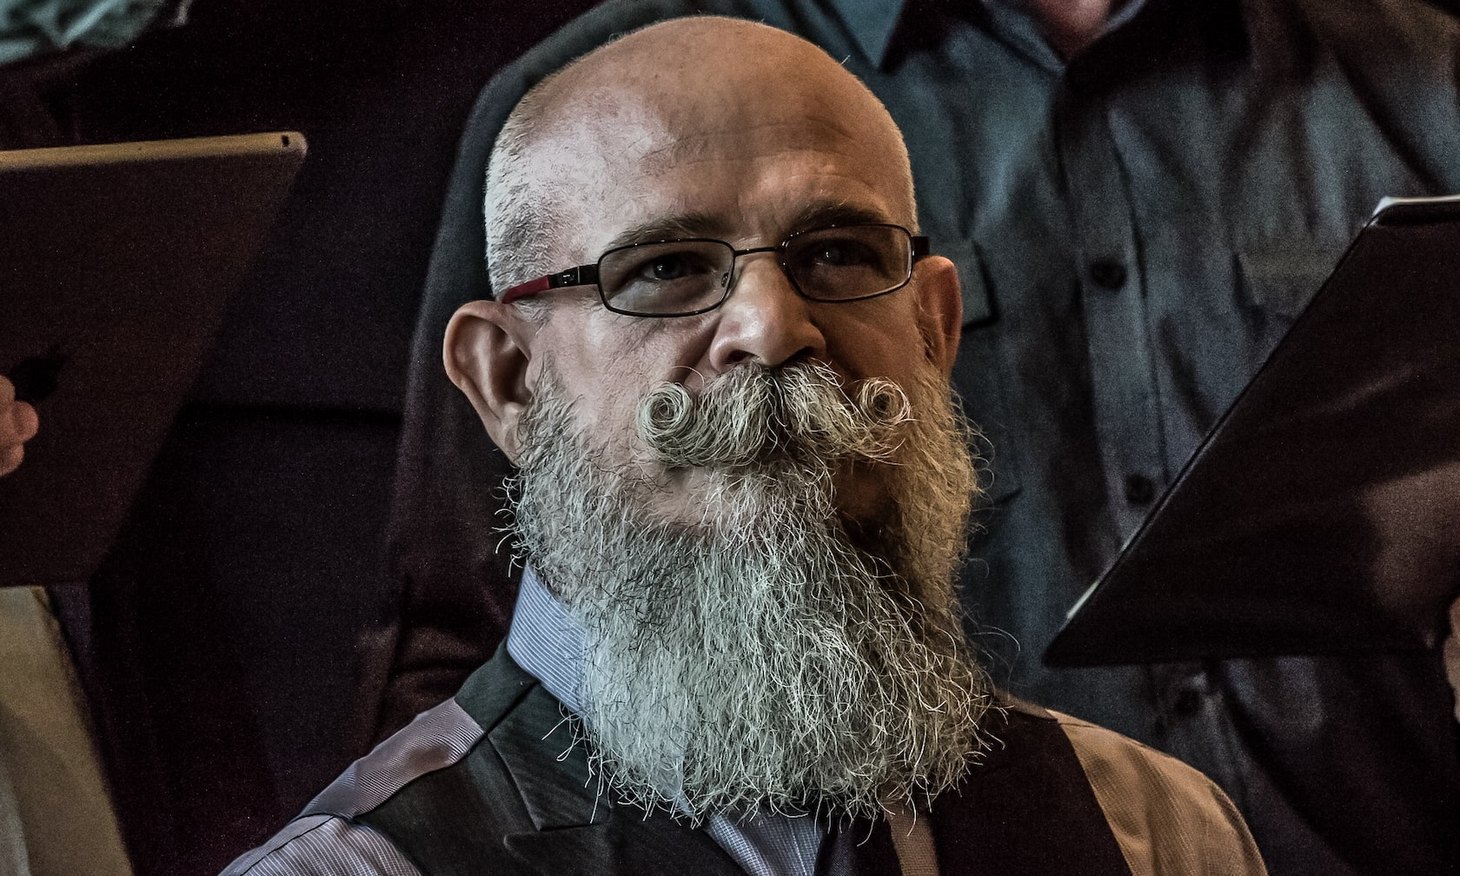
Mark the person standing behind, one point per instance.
(56, 817)
(1140, 198)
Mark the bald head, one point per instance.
(666, 96)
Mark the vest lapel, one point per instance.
(862, 848)
(1027, 809)
(575, 830)
(625, 845)
(525, 788)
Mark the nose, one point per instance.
(764, 320)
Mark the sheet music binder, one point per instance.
(1322, 513)
(116, 263)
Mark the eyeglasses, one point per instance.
(695, 275)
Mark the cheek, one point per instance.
(614, 413)
(606, 364)
(877, 341)
(603, 392)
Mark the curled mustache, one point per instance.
(753, 413)
(772, 661)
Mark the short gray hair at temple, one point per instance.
(523, 214)
(519, 213)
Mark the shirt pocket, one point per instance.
(978, 301)
(1281, 278)
(978, 375)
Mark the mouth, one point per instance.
(853, 493)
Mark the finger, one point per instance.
(27, 422)
(10, 458)
(7, 391)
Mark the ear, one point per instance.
(486, 353)
(941, 311)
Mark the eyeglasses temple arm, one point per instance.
(582, 275)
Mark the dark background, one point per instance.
(215, 643)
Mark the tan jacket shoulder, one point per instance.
(1168, 818)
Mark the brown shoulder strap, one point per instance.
(912, 836)
(1027, 809)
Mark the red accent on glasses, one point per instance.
(531, 287)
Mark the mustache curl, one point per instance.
(770, 662)
(755, 413)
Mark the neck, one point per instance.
(1071, 25)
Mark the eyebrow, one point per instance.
(704, 225)
(823, 215)
(670, 228)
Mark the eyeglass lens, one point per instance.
(692, 276)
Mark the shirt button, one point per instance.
(1139, 490)
(1107, 273)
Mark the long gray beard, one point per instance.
(764, 656)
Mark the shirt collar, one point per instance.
(873, 23)
(547, 641)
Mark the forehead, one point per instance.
(739, 166)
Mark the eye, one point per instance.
(839, 255)
(844, 253)
(671, 277)
(852, 261)
(667, 267)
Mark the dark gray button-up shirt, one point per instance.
(1136, 230)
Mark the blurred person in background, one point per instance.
(56, 816)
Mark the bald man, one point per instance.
(719, 362)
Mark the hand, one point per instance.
(18, 424)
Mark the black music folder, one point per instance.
(116, 263)
(1322, 513)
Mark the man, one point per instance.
(1138, 208)
(741, 500)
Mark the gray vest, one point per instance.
(510, 806)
